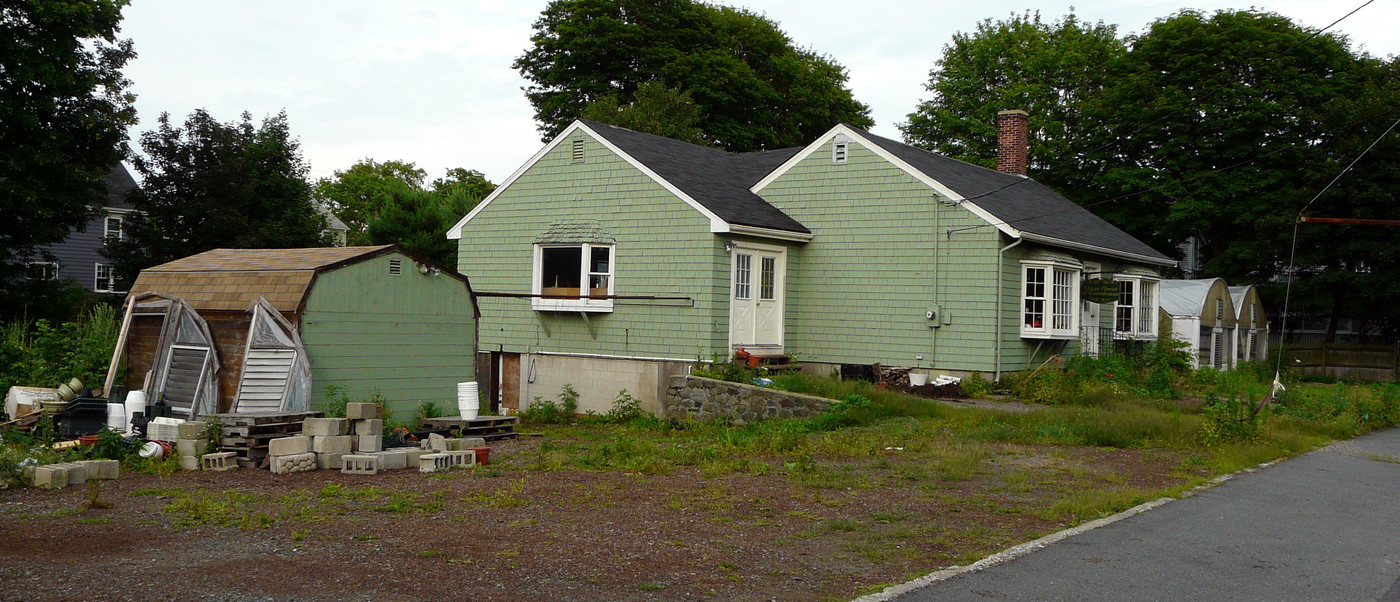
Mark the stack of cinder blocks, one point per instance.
(58, 476)
(366, 425)
(290, 454)
(191, 444)
(447, 453)
(330, 440)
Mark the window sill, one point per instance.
(1056, 336)
(573, 305)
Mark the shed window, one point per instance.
(1049, 294)
(573, 277)
(1135, 313)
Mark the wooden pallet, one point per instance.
(247, 433)
(490, 428)
(264, 418)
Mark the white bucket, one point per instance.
(152, 449)
(468, 400)
(918, 379)
(135, 402)
(116, 416)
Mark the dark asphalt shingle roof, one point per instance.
(119, 184)
(1026, 205)
(718, 180)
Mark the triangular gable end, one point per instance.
(717, 224)
(939, 187)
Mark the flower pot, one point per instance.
(753, 361)
(483, 455)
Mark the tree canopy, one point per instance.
(64, 110)
(211, 185)
(753, 87)
(386, 203)
(1214, 127)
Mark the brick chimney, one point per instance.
(1013, 141)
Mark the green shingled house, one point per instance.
(613, 259)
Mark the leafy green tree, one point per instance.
(64, 110)
(417, 220)
(655, 109)
(754, 88)
(211, 185)
(1047, 69)
(358, 194)
(1200, 93)
(462, 189)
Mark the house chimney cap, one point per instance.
(1012, 112)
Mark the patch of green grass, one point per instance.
(503, 497)
(651, 586)
(96, 520)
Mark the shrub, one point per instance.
(976, 386)
(625, 408)
(37, 354)
(545, 411)
(1231, 420)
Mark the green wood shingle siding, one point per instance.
(412, 337)
(858, 292)
(664, 249)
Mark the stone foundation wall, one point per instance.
(706, 399)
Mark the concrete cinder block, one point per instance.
(190, 447)
(289, 446)
(52, 476)
(329, 461)
(190, 463)
(77, 473)
(436, 442)
(369, 443)
(434, 463)
(470, 442)
(412, 455)
(219, 462)
(374, 426)
(103, 469)
(293, 463)
(315, 427)
(332, 444)
(361, 411)
(392, 459)
(192, 430)
(359, 464)
(461, 459)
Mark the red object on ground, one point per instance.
(483, 455)
(753, 361)
(87, 439)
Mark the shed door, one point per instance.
(264, 384)
(757, 299)
(183, 374)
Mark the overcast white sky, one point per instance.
(429, 81)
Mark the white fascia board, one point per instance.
(897, 162)
(716, 224)
(770, 233)
(1069, 244)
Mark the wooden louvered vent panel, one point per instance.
(265, 373)
(182, 381)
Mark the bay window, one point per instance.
(1135, 313)
(1049, 295)
(573, 277)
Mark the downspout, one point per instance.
(996, 343)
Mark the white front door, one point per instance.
(1089, 319)
(756, 298)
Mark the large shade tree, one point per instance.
(755, 89)
(64, 110)
(211, 185)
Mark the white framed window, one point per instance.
(102, 279)
(573, 277)
(1135, 313)
(1049, 295)
(42, 270)
(112, 227)
(743, 276)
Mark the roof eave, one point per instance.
(772, 233)
(1069, 244)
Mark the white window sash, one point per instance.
(586, 301)
(1049, 297)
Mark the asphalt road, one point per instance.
(1322, 526)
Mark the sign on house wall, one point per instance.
(1099, 290)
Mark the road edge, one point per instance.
(1023, 549)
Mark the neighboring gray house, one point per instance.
(79, 258)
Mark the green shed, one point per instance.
(365, 320)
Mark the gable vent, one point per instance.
(395, 267)
(577, 156)
(838, 149)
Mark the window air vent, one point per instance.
(577, 156)
(395, 267)
(838, 152)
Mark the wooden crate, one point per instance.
(490, 428)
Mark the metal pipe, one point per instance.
(996, 346)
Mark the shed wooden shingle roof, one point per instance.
(231, 279)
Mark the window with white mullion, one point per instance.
(1146, 307)
(1049, 295)
(1135, 313)
(1123, 313)
(573, 277)
(743, 276)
